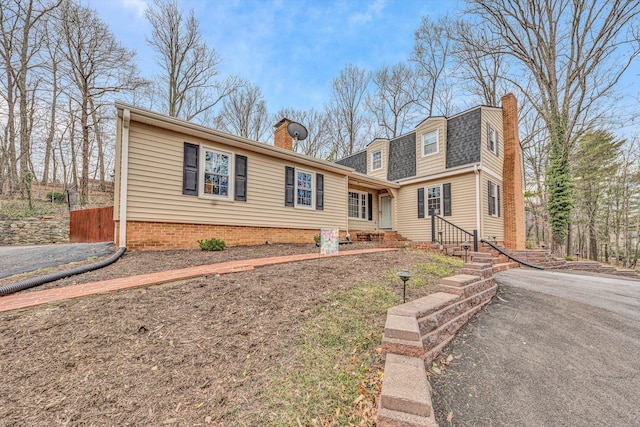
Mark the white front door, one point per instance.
(385, 211)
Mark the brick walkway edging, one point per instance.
(31, 299)
(416, 332)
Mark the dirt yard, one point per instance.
(197, 352)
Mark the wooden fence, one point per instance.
(91, 225)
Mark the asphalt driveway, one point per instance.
(553, 349)
(22, 259)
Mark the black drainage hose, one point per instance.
(37, 281)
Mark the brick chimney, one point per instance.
(281, 137)
(513, 194)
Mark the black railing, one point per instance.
(511, 257)
(443, 231)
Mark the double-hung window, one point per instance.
(358, 207)
(430, 143)
(304, 188)
(434, 200)
(492, 139)
(493, 198)
(217, 173)
(376, 160)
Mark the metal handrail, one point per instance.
(451, 233)
(499, 249)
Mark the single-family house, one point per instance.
(179, 182)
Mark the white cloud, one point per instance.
(373, 11)
(138, 5)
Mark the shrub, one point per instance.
(212, 244)
(56, 196)
(316, 238)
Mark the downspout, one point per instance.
(124, 178)
(346, 214)
(475, 170)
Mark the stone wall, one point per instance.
(33, 231)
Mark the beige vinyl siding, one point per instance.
(357, 224)
(383, 146)
(155, 187)
(435, 162)
(463, 207)
(493, 116)
(491, 225)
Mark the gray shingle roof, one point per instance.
(357, 161)
(463, 138)
(402, 157)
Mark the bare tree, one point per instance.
(481, 72)
(317, 144)
(393, 102)
(96, 66)
(432, 56)
(244, 113)
(189, 66)
(18, 47)
(346, 111)
(576, 52)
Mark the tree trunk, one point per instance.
(84, 124)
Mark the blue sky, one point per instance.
(292, 49)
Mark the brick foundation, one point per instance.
(144, 236)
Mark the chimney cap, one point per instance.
(283, 120)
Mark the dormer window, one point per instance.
(492, 139)
(430, 143)
(376, 160)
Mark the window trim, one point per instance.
(422, 145)
(373, 160)
(230, 173)
(426, 199)
(363, 210)
(312, 205)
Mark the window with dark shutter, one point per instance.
(490, 197)
(420, 202)
(190, 169)
(498, 198)
(241, 179)
(370, 205)
(446, 195)
(289, 186)
(319, 191)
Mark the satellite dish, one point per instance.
(297, 131)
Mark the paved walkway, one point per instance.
(31, 299)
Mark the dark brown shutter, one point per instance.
(498, 198)
(497, 143)
(446, 195)
(241, 178)
(370, 205)
(421, 203)
(319, 191)
(190, 169)
(289, 186)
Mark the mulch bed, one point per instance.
(191, 353)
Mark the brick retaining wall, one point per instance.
(414, 334)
